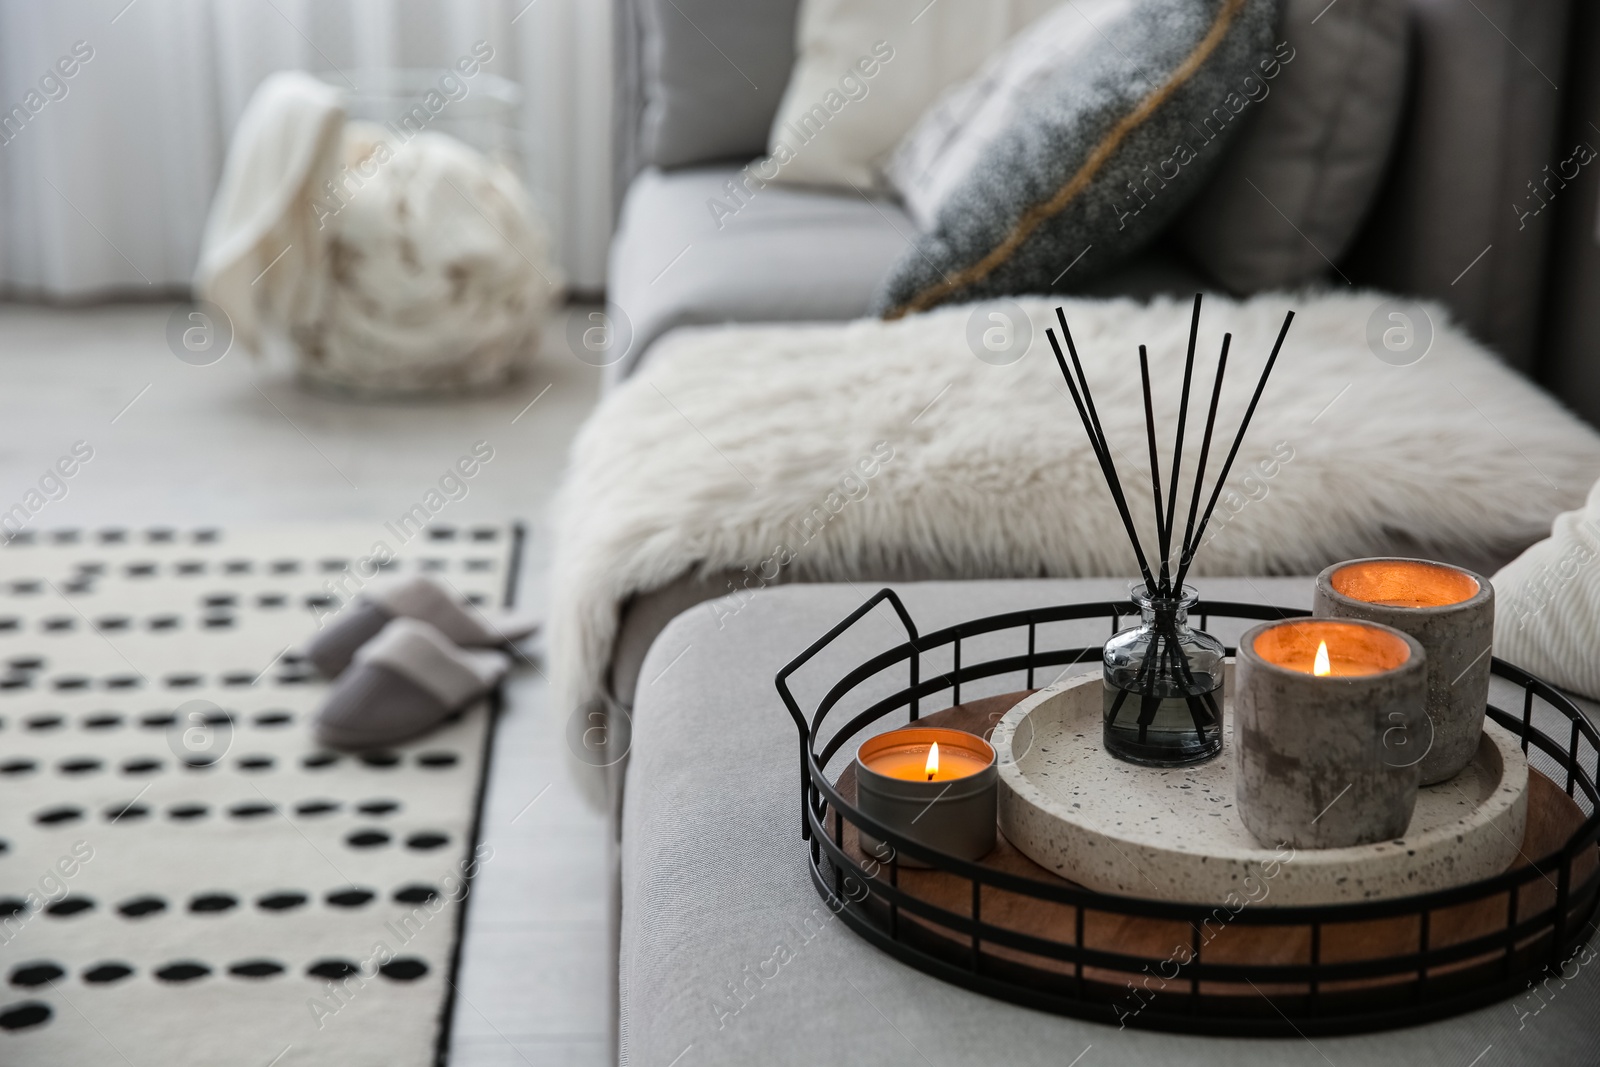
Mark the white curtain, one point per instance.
(115, 115)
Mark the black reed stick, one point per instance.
(1238, 438)
(1085, 406)
(1205, 451)
(1177, 448)
(1155, 468)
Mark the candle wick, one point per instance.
(930, 776)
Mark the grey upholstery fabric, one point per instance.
(1098, 149)
(713, 879)
(1481, 124)
(1291, 194)
(713, 72)
(784, 254)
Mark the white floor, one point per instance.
(237, 443)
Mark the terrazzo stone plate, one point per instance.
(1176, 834)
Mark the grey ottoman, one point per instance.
(728, 956)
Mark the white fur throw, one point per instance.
(833, 452)
(1547, 603)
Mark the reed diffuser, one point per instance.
(1163, 678)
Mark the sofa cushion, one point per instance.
(867, 69)
(712, 73)
(1289, 197)
(1074, 150)
(695, 247)
(714, 879)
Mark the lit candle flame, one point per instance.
(1321, 668)
(933, 761)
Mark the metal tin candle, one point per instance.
(1451, 612)
(935, 786)
(1321, 710)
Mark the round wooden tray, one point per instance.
(1552, 819)
(1175, 834)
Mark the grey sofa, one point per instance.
(711, 876)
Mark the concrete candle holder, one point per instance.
(1323, 707)
(1448, 610)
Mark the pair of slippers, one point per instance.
(404, 656)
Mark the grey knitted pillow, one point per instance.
(1075, 146)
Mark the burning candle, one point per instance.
(1450, 611)
(1322, 707)
(932, 785)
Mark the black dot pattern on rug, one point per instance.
(427, 841)
(271, 600)
(350, 898)
(318, 760)
(10, 906)
(157, 720)
(367, 839)
(22, 1016)
(316, 807)
(256, 762)
(256, 969)
(106, 973)
(140, 907)
(141, 765)
(71, 681)
(183, 971)
(56, 816)
(47, 721)
(126, 812)
(69, 905)
(25, 663)
(213, 903)
(274, 718)
(285, 901)
(404, 969)
(415, 894)
(58, 623)
(251, 809)
(18, 766)
(437, 760)
(382, 760)
(29, 975)
(187, 811)
(333, 970)
(79, 765)
(102, 720)
(378, 807)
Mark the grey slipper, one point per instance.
(418, 597)
(403, 682)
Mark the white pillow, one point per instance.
(866, 70)
(952, 136)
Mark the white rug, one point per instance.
(192, 892)
(841, 452)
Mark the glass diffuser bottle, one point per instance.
(1163, 685)
(1163, 679)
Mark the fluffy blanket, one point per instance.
(835, 452)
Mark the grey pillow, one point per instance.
(713, 73)
(1292, 192)
(1070, 169)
